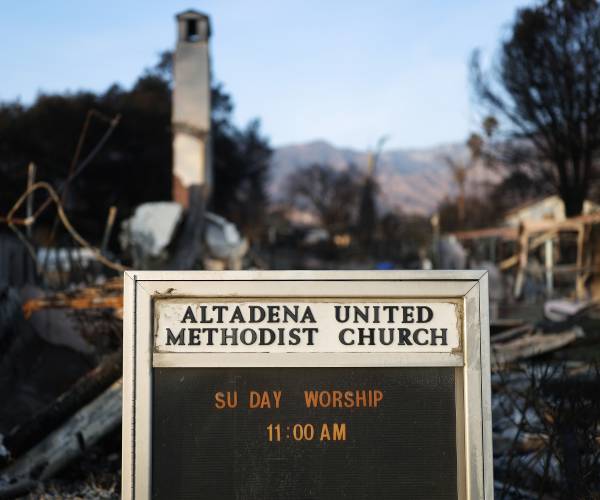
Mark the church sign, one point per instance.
(293, 384)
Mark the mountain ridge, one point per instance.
(413, 180)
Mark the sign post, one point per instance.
(306, 384)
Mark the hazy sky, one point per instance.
(345, 71)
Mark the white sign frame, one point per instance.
(468, 289)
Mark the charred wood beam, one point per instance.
(77, 434)
(26, 435)
(531, 345)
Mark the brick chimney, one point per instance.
(192, 166)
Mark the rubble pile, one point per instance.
(546, 431)
(546, 409)
(60, 383)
